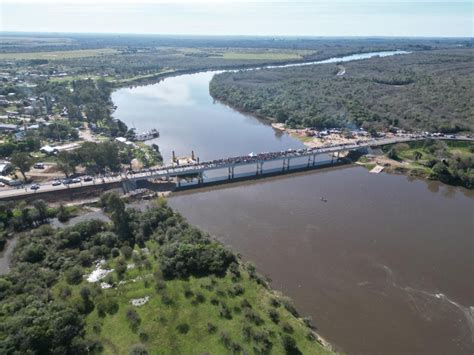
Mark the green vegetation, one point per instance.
(17, 217)
(421, 91)
(448, 162)
(201, 299)
(55, 55)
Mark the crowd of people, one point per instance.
(243, 159)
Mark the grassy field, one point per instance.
(58, 54)
(195, 302)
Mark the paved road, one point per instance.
(173, 170)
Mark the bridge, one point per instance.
(197, 170)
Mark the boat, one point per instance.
(323, 199)
(151, 134)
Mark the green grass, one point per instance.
(159, 320)
(57, 54)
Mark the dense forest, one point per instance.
(193, 294)
(429, 90)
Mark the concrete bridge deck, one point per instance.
(129, 180)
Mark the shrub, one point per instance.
(274, 302)
(200, 298)
(253, 317)
(115, 252)
(74, 275)
(287, 328)
(101, 309)
(211, 328)
(143, 336)
(133, 319)
(183, 328)
(236, 290)
(224, 311)
(288, 304)
(160, 285)
(138, 349)
(126, 251)
(167, 300)
(289, 344)
(274, 316)
(225, 339)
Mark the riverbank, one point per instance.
(450, 162)
(181, 294)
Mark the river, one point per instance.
(384, 266)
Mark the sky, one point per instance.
(425, 18)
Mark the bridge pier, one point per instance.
(259, 168)
(200, 178)
(231, 172)
(128, 185)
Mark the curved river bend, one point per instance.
(385, 266)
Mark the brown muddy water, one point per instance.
(383, 267)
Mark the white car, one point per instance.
(56, 183)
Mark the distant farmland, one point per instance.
(81, 53)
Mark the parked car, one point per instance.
(38, 166)
(2, 184)
(76, 180)
(56, 183)
(35, 187)
(87, 178)
(67, 181)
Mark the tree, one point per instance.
(67, 162)
(22, 161)
(42, 209)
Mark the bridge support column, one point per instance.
(288, 165)
(314, 160)
(200, 179)
(231, 172)
(259, 168)
(128, 185)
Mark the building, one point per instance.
(6, 127)
(47, 149)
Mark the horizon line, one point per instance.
(235, 35)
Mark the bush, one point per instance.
(138, 349)
(287, 328)
(211, 328)
(74, 275)
(200, 298)
(183, 328)
(274, 316)
(289, 344)
(253, 317)
(288, 304)
(133, 319)
(236, 290)
(115, 252)
(143, 336)
(126, 251)
(224, 311)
